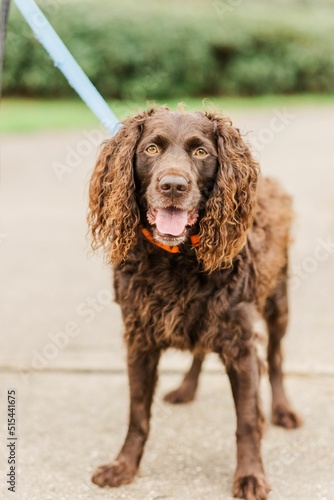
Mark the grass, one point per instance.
(28, 115)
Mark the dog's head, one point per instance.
(175, 173)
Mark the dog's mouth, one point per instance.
(171, 223)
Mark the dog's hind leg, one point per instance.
(276, 316)
(187, 390)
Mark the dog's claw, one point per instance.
(284, 416)
(251, 487)
(184, 394)
(114, 474)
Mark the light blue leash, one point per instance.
(64, 61)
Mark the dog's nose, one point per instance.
(173, 185)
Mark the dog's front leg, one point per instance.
(249, 481)
(142, 372)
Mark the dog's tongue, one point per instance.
(171, 221)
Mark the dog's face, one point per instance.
(178, 173)
(176, 164)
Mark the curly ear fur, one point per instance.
(114, 214)
(230, 209)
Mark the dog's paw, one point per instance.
(251, 487)
(184, 394)
(284, 416)
(113, 474)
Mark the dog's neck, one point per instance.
(194, 238)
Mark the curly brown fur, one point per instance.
(230, 209)
(114, 214)
(177, 175)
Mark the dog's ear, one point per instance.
(113, 211)
(229, 211)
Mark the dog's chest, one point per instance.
(171, 304)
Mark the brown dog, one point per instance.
(200, 245)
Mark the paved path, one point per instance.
(58, 317)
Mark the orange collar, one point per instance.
(176, 249)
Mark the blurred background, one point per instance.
(269, 64)
(170, 51)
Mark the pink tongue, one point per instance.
(171, 221)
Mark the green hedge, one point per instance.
(192, 48)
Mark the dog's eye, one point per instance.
(152, 149)
(200, 152)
